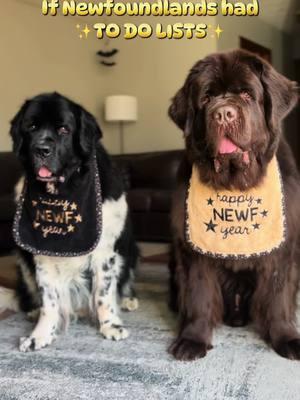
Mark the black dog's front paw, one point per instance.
(32, 343)
(289, 348)
(188, 350)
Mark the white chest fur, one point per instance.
(68, 274)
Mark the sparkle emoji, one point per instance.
(218, 31)
(86, 31)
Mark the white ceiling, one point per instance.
(279, 13)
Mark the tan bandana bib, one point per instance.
(234, 224)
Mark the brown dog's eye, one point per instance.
(206, 99)
(63, 130)
(246, 95)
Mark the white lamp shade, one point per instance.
(120, 108)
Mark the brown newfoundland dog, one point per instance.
(231, 109)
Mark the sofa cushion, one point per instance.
(151, 226)
(6, 238)
(161, 200)
(7, 207)
(139, 199)
(10, 172)
(155, 170)
(149, 200)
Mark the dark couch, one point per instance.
(10, 172)
(149, 177)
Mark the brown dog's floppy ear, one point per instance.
(281, 95)
(181, 110)
(178, 108)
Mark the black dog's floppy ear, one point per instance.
(89, 134)
(16, 129)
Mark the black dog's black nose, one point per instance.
(43, 150)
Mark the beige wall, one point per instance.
(45, 54)
(153, 70)
(254, 29)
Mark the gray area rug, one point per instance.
(82, 365)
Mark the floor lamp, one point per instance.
(121, 108)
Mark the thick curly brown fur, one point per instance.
(262, 289)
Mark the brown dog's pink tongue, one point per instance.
(226, 146)
(44, 172)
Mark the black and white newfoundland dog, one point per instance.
(57, 142)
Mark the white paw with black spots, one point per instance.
(114, 332)
(129, 304)
(34, 343)
(33, 315)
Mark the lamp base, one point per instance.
(121, 133)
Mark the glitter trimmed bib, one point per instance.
(234, 224)
(61, 219)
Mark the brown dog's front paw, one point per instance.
(289, 348)
(188, 350)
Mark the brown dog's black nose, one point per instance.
(43, 150)
(225, 114)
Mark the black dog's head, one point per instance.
(230, 109)
(53, 136)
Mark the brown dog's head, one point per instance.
(230, 109)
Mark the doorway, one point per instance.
(256, 48)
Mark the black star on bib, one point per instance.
(210, 226)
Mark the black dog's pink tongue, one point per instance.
(44, 172)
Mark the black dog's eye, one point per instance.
(32, 127)
(63, 130)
